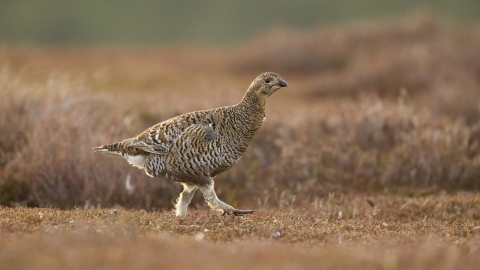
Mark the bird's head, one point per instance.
(266, 84)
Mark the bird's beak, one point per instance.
(283, 84)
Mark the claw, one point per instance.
(238, 212)
(243, 212)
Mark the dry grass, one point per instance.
(384, 116)
(394, 232)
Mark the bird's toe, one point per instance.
(237, 212)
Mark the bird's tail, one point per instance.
(114, 148)
(136, 157)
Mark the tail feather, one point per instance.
(114, 149)
(134, 157)
(99, 148)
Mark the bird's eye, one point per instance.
(267, 80)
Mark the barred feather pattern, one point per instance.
(194, 147)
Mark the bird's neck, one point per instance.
(253, 105)
(252, 110)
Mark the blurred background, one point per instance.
(209, 22)
(383, 96)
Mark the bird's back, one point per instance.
(205, 143)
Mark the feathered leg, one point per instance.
(184, 199)
(217, 205)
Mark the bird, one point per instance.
(195, 147)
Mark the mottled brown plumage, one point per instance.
(195, 147)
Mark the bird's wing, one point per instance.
(152, 140)
(208, 133)
(198, 132)
(159, 138)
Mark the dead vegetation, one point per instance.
(440, 231)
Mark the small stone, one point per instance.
(277, 235)
(115, 212)
(199, 236)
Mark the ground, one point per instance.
(339, 232)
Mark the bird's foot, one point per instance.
(218, 205)
(238, 212)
